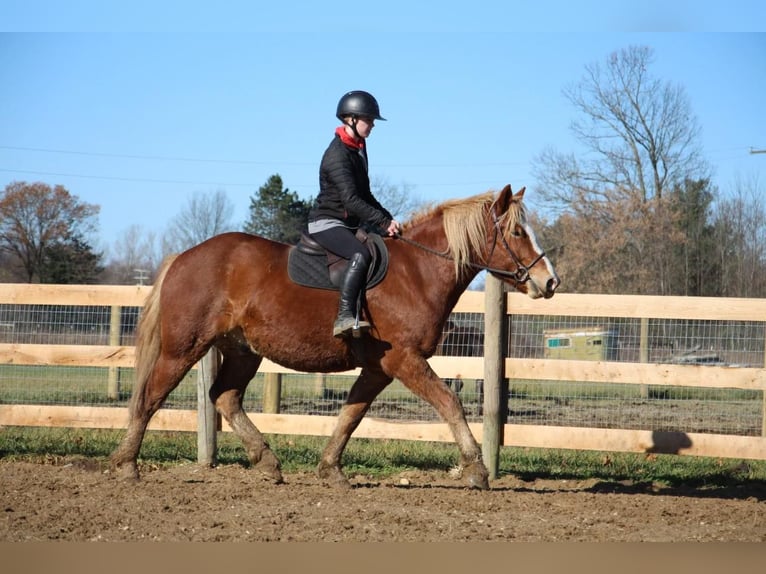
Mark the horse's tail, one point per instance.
(149, 341)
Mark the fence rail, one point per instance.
(643, 385)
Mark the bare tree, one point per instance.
(626, 193)
(135, 257)
(639, 134)
(624, 247)
(36, 218)
(398, 199)
(740, 240)
(204, 216)
(6, 263)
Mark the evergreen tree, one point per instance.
(71, 262)
(277, 213)
(696, 266)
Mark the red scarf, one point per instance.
(349, 140)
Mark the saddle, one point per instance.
(311, 265)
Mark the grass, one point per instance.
(384, 458)
(23, 384)
(34, 384)
(535, 389)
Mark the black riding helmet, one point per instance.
(358, 104)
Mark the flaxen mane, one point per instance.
(464, 222)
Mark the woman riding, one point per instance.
(345, 201)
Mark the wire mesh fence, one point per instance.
(540, 402)
(636, 406)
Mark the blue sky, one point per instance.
(136, 110)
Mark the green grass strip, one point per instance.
(385, 458)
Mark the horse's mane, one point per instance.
(465, 224)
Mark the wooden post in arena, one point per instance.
(763, 399)
(208, 421)
(272, 392)
(494, 376)
(113, 375)
(643, 353)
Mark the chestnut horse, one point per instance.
(232, 292)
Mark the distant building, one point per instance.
(581, 344)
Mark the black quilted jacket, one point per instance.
(344, 188)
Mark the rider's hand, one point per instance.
(394, 228)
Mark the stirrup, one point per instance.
(349, 325)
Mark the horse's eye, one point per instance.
(518, 232)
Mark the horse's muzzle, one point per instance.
(550, 286)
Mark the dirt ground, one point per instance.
(76, 501)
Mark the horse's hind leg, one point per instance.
(163, 378)
(360, 397)
(227, 393)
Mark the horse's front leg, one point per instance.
(364, 390)
(418, 376)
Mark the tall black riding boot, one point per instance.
(350, 288)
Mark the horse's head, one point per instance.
(513, 253)
(489, 232)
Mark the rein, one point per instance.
(519, 275)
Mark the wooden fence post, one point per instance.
(763, 399)
(494, 377)
(272, 392)
(208, 421)
(113, 376)
(643, 352)
(319, 384)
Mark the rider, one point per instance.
(345, 201)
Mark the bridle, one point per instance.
(520, 275)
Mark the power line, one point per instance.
(241, 161)
(233, 162)
(146, 157)
(209, 183)
(132, 179)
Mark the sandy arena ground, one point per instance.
(76, 501)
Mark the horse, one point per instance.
(232, 292)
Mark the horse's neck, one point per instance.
(437, 266)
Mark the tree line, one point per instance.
(636, 212)
(44, 230)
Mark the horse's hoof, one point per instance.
(477, 476)
(270, 473)
(269, 467)
(333, 475)
(126, 472)
(273, 476)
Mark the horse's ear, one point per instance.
(504, 199)
(520, 194)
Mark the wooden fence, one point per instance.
(510, 305)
